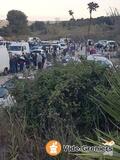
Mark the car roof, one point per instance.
(102, 40)
(111, 41)
(96, 57)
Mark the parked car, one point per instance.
(101, 60)
(103, 42)
(112, 45)
(19, 48)
(5, 98)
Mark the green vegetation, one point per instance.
(65, 92)
(111, 105)
(62, 103)
(38, 26)
(17, 22)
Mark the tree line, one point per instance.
(18, 22)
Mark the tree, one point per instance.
(92, 7)
(71, 13)
(38, 26)
(17, 22)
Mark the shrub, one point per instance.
(62, 92)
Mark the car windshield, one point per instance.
(3, 92)
(15, 48)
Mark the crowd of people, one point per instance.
(51, 53)
(37, 59)
(18, 63)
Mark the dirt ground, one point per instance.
(3, 79)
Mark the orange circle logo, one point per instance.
(53, 148)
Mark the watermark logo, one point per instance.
(53, 148)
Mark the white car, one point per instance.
(102, 42)
(112, 44)
(100, 60)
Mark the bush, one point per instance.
(62, 93)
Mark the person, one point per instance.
(92, 51)
(43, 59)
(39, 60)
(54, 56)
(16, 63)
(21, 62)
(13, 63)
(27, 60)
(34, 59)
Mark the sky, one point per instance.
(55, 9)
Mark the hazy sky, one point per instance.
(52, 9)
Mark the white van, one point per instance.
(19, 47)
(4, 59)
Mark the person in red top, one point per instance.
(93, 51)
